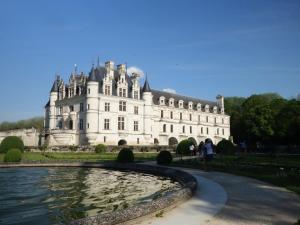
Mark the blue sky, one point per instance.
(198, 48)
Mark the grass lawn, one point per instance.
(79, 156)
(281, 171)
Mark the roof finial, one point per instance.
(75, 69)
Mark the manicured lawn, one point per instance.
(78, 156)
(282, 171)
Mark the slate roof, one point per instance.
(146, 87)
(157, 94)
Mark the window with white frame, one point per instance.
(135, 125)
(107, 89)
(136, 95)
(164, 128)
(191, 129)
(106, 106)
(122, 92)
(171, 128)
(180, 103)
(106, 124)
(121, 123)
(171, 102)
(136, 110)
(171, 115)
(122, 106)
(161, 114)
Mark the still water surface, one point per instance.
(59, 195)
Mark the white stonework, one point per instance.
(109, 106)
(30, 137)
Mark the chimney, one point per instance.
(121, 68)
(109, 65)
(220, 103)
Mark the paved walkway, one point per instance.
(223, 199)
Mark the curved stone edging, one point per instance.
(188, 182)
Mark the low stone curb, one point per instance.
(188, 182)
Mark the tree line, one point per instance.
(36, 122)
(266, 118)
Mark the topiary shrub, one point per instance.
(183, 147)
(11, 142)
(101, 148)
(164, 158)
(13, 155)
(225, 147)
(125, 156)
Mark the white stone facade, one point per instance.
(108, 106)
(30, 137)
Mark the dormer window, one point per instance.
(162, 100)
(215, 109)
(136, 95)
(107, 90)
(171, 102)
(199, 106)
(180, 104)
(206, 108)
(190, 105)
(122, 92)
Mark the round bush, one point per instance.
(11, 142)
(101, 148)
(164, 157)
(125, 156)
(225, 147)
(183, 147)
(13, 155)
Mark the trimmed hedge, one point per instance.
(11, 142)
(125, 156)
(225, 147)
(183, 147)
(164, 158)
(13, 155)
(101, 148)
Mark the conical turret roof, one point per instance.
(146, 87)
(92, 76)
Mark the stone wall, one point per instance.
(30, 137)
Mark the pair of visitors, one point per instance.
(207, 152)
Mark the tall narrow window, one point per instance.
(191, 129)
(122, 106)
(190, 117)
(223, 132)
(164, 128)
(107, 106)
(107, 89)
(71, 108)
(60, 110)
(206, 119)
(183, 129)
(217, 131)
(161, 114)
(81, 107)
(136, 110)
(199, 118)
(180, 116)
(124, 92)
(222, 120)
(215, 120)
(207, 131)
(121, 124)
(135, 125)
(136, 95)
(71, 124)
(201, 130)
(106, 124)
(138, 141)
(104, 139)
(171, 115)
(81, 124)
(171, 128)
(89, 91)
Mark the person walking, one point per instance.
(208, 153)
(192, 149)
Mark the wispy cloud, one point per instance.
(169, 90)
(134, 69)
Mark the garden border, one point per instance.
(188, 182)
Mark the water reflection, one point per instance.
(53, 195)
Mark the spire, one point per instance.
(146, 87)
(55, 84)
(92, 76)
(75, 69)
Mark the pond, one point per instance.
(60, 195)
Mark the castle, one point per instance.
(109, 106)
